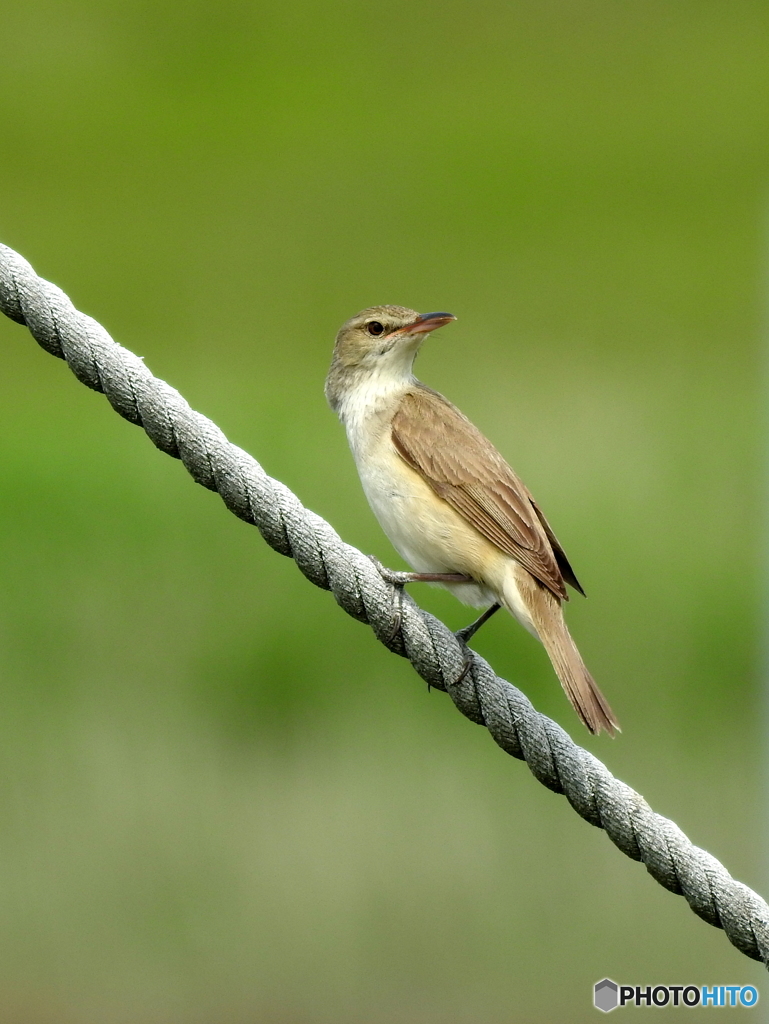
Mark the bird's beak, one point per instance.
(427, 322)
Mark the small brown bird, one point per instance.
(446, 498)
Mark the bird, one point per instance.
(446, 498)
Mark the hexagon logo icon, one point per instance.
(605, 996)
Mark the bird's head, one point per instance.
(379, 341)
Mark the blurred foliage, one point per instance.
(221, 799)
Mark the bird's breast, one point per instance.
(423, 528)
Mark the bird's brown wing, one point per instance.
(560, 555)
(433, 437)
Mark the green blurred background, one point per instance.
(220, 799)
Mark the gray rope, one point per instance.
(433, 650)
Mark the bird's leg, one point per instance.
(463, 635)
(400, 579)
(466, 634)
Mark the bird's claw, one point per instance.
(467, 664)
(396, 579)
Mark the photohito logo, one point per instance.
(608, 995)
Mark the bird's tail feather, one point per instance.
(546, 615)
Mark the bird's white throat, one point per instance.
(369, 402)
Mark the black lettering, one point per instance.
(691, 995)
(660, 996)
(643, 995)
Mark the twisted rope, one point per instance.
(288, 527)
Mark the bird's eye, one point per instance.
(375, 328)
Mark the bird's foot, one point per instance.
(393, 576)
(466, 634)
(399, 581)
